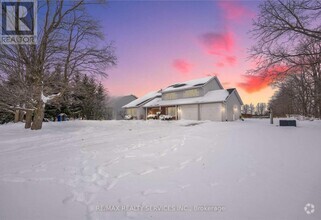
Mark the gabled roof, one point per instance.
(231, 90)
(196, 83)
(210, 97)
(115, 100)
(142, 100)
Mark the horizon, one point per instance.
(160, 43)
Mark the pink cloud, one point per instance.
(182, 66)
(219, 64)
(255, 83)
(217, 43)
(233, 10)
(230, 60)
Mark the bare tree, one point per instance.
(246, 109)
(288, 47)
(251, 109)
(68, 37)
(261, 108)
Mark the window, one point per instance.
(131, 111)
(191, 93)
(168, 96)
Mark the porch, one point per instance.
(163, 110)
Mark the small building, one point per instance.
(199, 99)
(115, 105)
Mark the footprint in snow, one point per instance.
(183, 141)
(174, 148)
(163, 153)
(14, 179)
(147, 172)
(199, 159)
(122, 175)
(112, 184)
(162, 167)
(184, 164)
(102, 172)
(129, 156)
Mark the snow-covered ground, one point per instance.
(80, 169)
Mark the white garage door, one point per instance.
(189, 112)
(211, 112)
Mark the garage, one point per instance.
(188, 112)
(211, 111)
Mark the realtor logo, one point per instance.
(18, 21)
(309, 208)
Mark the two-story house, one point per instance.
(199, 99)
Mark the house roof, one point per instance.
(116, 100)
(231, 90)
(189, 84)
(210, 97)
(142, 100)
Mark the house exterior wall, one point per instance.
(188, 112)
(233, 108)
(188, 93)
(137, 113)
(211, 85)
(211, 111)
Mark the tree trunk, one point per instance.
(16, 116)
(21, 115)
(28, 119)
(38, 116)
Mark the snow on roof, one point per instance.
(188, 84)
(212, 96)
(142, 100)
(153, 103)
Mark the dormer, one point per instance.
(191, 89)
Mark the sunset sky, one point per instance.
(159, 43)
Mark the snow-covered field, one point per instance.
(80, 169)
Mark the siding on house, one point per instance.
(213, 84)
(233, 107)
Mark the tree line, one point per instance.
(260, 109)
(287, 52)
(60, 72)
